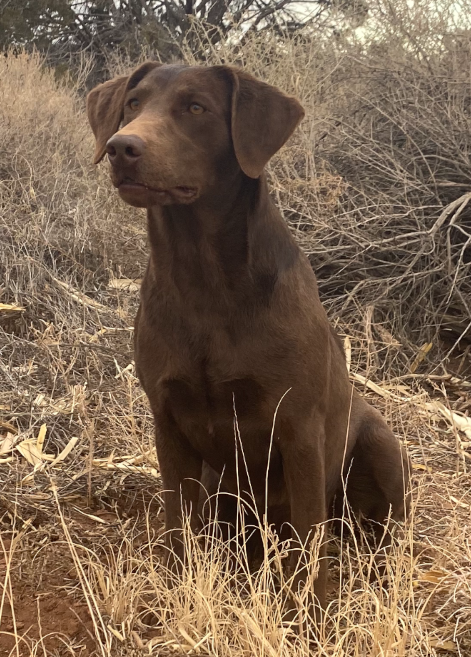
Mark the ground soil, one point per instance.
(44, 612)
(49, 614)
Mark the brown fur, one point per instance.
(230, 318)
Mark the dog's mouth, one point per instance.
(142, 195)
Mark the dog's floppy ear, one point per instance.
(105, 105)
(263, 119)
(105, 111)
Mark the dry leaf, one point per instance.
(421, 354)
(12, 308)
(7, 443)
(92, 517)
(41, 437)
(29, 450)
(433, 576)
(420, 466)
(39, 400)
(443, 645)
(64, 405)
(117, 634)
(66, 451)
(459, 421)
(463, 505)
(129, 284)
(382, 391)
(78, 296)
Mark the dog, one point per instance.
(230, 324)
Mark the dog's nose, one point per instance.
(127, 148)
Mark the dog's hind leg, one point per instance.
(376, 478)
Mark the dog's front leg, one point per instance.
(180, 467)
(304, 473)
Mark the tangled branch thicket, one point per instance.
(401, 143)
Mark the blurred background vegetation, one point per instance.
(62, 28)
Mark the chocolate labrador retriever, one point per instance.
(230, 323)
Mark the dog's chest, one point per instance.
(200, 403)
(213, 384)
(214, 417)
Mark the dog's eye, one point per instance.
(196, 109)
(133, 104)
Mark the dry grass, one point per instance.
(81, 568)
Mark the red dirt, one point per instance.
(51, 616)
(45, 617)
(61, 622)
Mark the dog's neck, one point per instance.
(231, 239)
(224, 208)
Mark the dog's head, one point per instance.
(183, 128)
